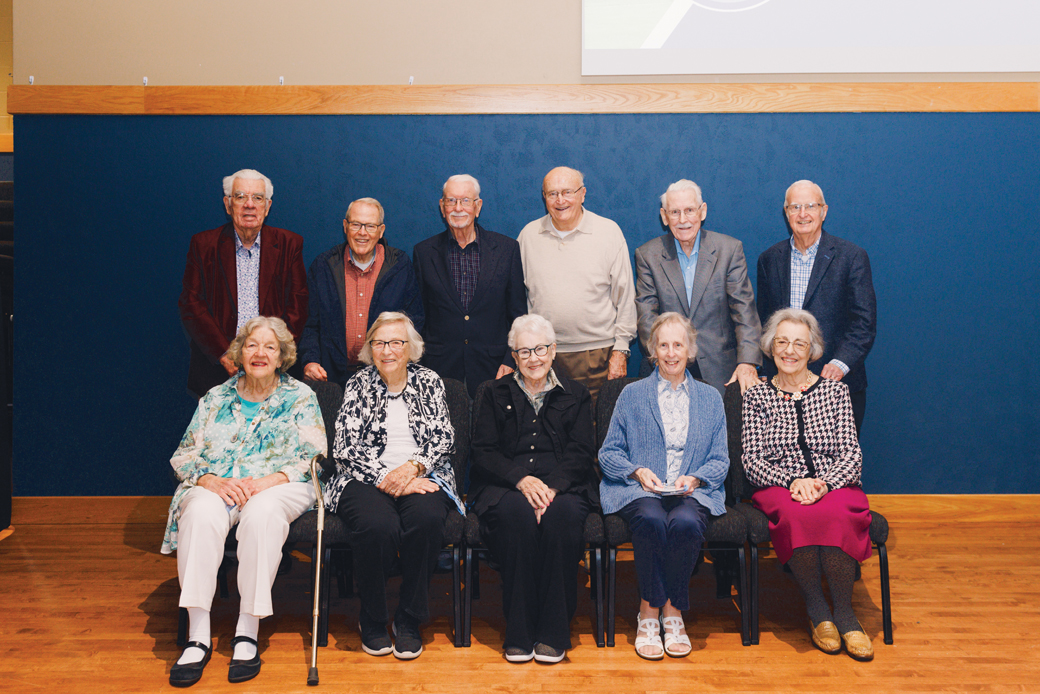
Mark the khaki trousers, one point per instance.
(588, 367)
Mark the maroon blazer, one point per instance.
(209, 300)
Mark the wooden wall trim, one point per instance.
(875, 97)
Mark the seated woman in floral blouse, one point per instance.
(394, 484)
(801, 450)
(245, 461)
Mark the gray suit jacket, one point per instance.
(723, 305)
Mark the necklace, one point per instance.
(784, 395)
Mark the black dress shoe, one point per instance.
(243, 670)
(190, 673)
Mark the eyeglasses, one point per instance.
(465, 202)
(241, 198)
(553, 194)
(392, 344)
(809, 207)
(800, 346)
(690, 212)
(358, 226)
(525, 353)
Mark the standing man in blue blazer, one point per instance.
(830, 278)
(472, 285)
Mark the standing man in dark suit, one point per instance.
(702, 275)
(472, 286)
(236, 272)
(830, 278)
(350, 285)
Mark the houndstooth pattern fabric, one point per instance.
(773, 454)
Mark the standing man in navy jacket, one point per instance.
(349, 286)
(830, 278)
(472, 287)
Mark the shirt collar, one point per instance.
(550, 382)
(550, 228)
(696, 247)
(810, 252)
(238, 242)
(663, 383)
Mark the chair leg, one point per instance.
(182, 627)
(611, 589)
(456, 594)
(742, 589)
(596, 580)
(886, 596)
(467, 616)
(753, 593)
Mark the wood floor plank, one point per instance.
(90, 606)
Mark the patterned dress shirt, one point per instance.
(675, 415)
(247, 271)
(465, 269)
(801, 271)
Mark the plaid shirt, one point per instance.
(464, 264)
(801, 269)
(247, 272)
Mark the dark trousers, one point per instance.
(667, 534)
(859, 408)
(539, 564)
(381, 528)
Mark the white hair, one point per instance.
(674, 318)
(249, 175)
(531, 323)
(365, 201)
(682, 184)
(804, 182)
(793, 315)
(462, 178)
(415, 341)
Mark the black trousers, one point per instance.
(381, 528)
(539, 564)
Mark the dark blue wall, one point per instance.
(946, 205)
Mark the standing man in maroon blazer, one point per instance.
(236, 272)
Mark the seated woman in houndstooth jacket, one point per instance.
(801, 451)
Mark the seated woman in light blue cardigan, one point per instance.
(664, 461)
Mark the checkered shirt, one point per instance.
(785, 440)
(247, 272)
(465, 268)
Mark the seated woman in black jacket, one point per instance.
(532, 485)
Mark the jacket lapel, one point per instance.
(226, 251)
(706, 259)
(784, 273)
(824, 255)
(269, 253)
(670, 265)
(489, 260)
(441, 267)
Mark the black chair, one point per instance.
(758, 524)
(724, 534)
(303, 530)
(475, 551)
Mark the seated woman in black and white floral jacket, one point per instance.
(394, 483)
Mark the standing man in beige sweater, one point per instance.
(578, 275)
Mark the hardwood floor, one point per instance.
(87, 604)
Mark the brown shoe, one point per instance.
(825, 637)
(858, 645)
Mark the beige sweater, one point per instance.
(582, 284)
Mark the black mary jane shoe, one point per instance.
(190, 673)
(243, 670)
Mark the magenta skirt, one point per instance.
(840, 519)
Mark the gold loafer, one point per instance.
(858, 645)
(825, 637)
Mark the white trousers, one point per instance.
(263, 525)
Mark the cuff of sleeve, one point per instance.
(293, 473)
(515, 475)
(621, 345)
(194, 478)
(841, 365)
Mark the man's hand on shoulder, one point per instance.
(228, 365)
(314, 372)
(503, 370)
(832, 372)
(746, 375)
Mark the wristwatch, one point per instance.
(420, 469)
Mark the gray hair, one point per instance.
(668, 318)
(365, 201)
(531, 323)
(286, 344)
(249, 175)
(415, 341)
(682, 184)
(804, 182)
(794, 315)
(462, 178)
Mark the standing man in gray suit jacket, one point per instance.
(703, 276)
